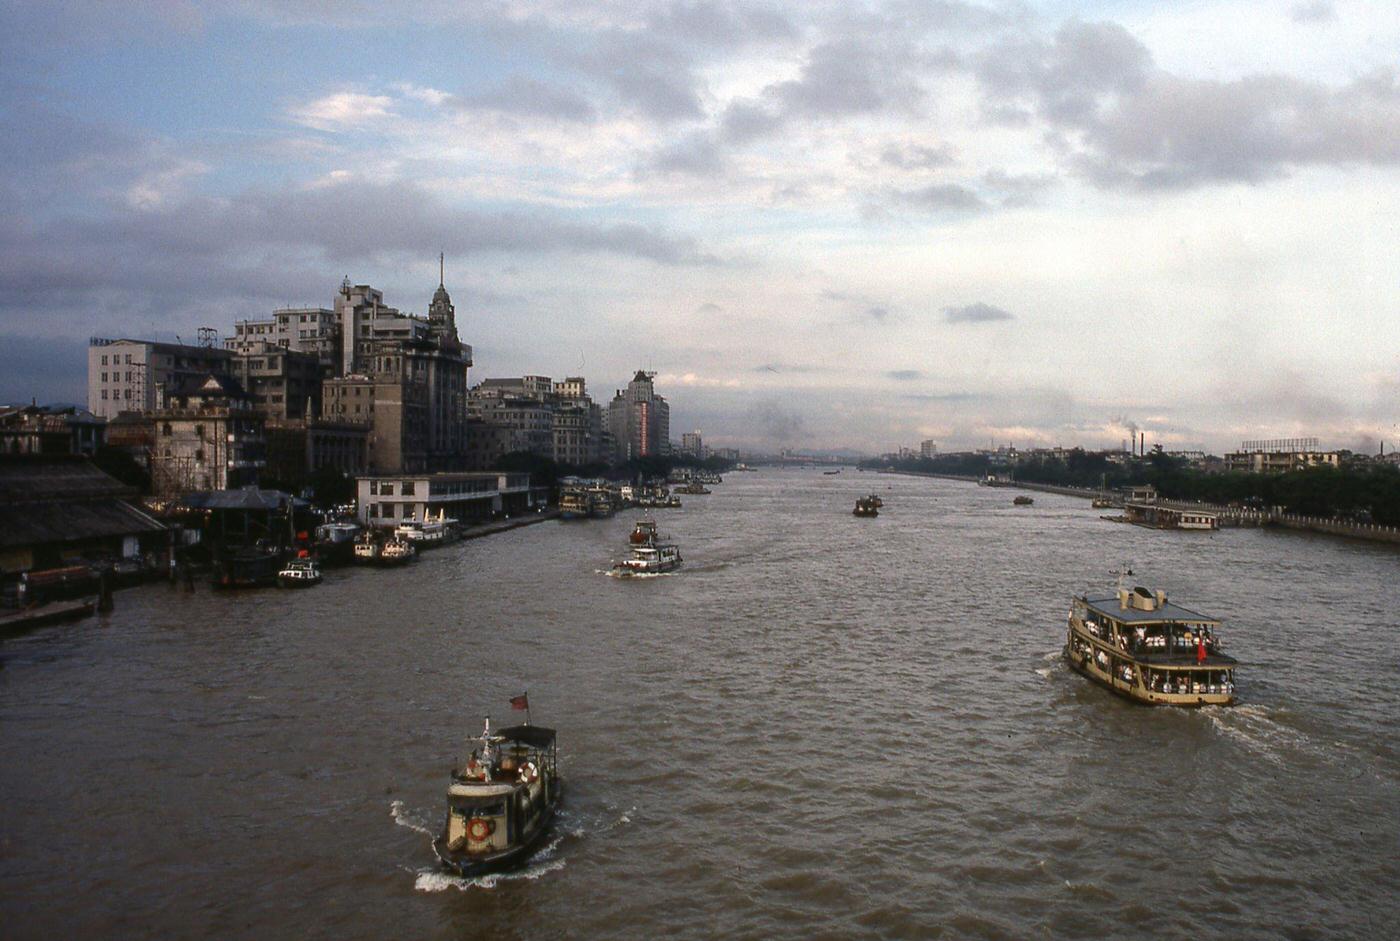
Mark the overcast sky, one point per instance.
(823, 225)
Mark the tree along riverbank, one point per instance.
(1356, 494)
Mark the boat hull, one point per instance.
(467, 866)
(298, 582)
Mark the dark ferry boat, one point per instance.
(500, 804)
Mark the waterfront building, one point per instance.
(205, 435)
(387, 500)
(56, 510)
(127, 375)
(639, 420)
(44, 429)
(928, 448)
(692, 444)
(1279, 456)
(534, 414)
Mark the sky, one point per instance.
(823, 225)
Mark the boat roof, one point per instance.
(1110, 608)
(479, 790)
(536, 735)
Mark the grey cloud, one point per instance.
(910, 156)
(904, 375)
(647, 72)
(778, 367)
(48, 368)
(1313, 11)
(694, 155)
(877, 314)
(527, 96)
(1017, 189)
(976, 313)
(1123, 123)
(938, 197)
(720, 24)
(941, 396)
(709, 308)
(776, 422)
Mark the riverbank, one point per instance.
(1228, 515)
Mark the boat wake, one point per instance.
(1254, 728)
(614, 573)
(403, 819)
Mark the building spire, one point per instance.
(440, 270)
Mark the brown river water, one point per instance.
(820, 727)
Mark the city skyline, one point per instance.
(821, 227)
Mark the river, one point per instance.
(820, 727)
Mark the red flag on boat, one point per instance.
(1200, 649)
(520, 702)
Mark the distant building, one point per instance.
(42, 429)
(309, 330)
(928, 448)
(128, 375)
(534, 414)
(1280, 456)
(639, 420)
(692, 444)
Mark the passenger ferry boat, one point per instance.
(1143, 647)
(396, 551)
(500, 804)
(573, 504)
(650, 556)
(427, 533)
(865, 508)
(367, 546)
(299, 573)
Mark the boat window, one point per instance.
(481, 806)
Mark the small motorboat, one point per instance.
(396, 551)
(864, 507)
(1023, 501)
(501, 802)
(301, 572)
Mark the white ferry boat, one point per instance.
(428, 533)
(650, 556)
(1147, 649)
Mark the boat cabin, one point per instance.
(501, 797)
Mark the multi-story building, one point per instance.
(389, 499)
(282, 382)
(310, 330)
(639, 420)
(127, 375)
(1280, 456)
(928, 448)
(42, 429)
(206, 435)
(692, 444)
(533, 413)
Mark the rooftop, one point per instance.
(1109, 607)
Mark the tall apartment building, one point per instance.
(127, 375)
(639, 420)
(282, 382)
(692, 444)
(928, 448)
(533, 413)
(310, 330)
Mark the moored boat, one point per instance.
(335, 542)
(1149, 650)
(299, 573)
(250, 567)
(695, 487)
(395, 551)
(573, 504)
(501, 802)
(367, 546)
(427, 533)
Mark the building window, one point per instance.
(386, 489)
(374, 488)
(104, 393)
(408, 488)
(104, 361)
(165, 430)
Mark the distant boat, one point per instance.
(830, 473)
(650, 556)
(1023, 501)
(865, 508)
(299, 573)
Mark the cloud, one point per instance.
(904, 375)
(910, 156)
(694, 155)
(522, 95)
(343, 111)
(776, 422)
(709, 308)
(878, 314)
(937, 197)
(976, 313)
(1123, 123)
(1313, 11)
